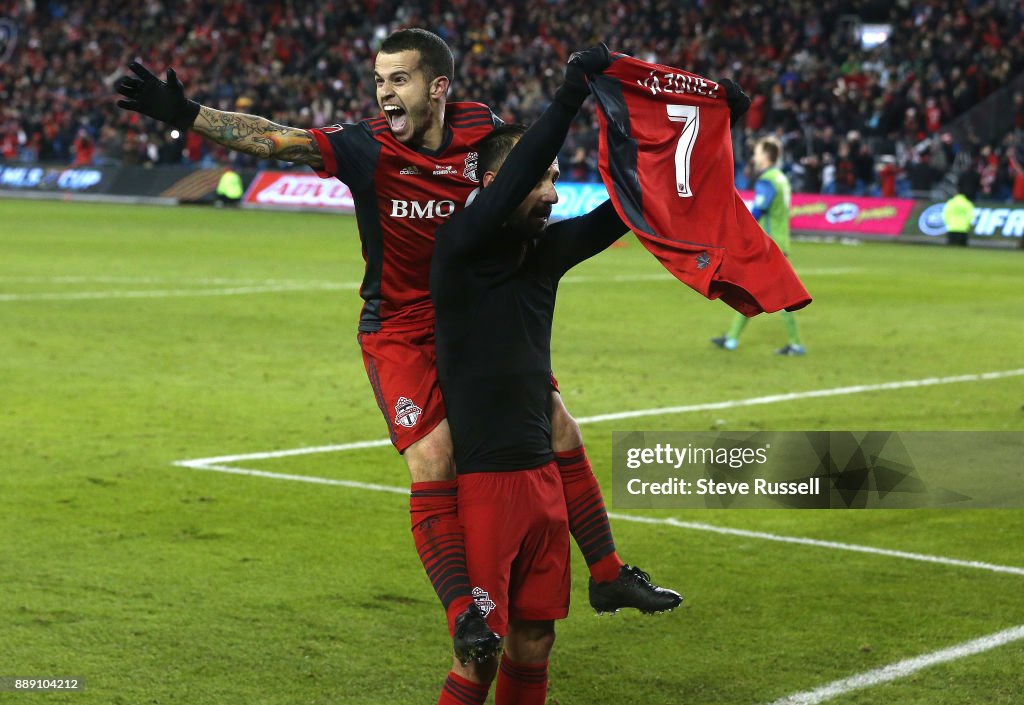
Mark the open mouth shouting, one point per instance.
(397, 119)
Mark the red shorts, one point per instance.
(402, 368)
(517, 544)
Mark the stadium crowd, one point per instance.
(849, 117)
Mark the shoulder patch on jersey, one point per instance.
(470, 171)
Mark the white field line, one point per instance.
(237, 287)
(902, 669)
(208, 464)
(232, 281)
(357, 445)
(812, 394)
(666, 410)
(206, 281)
(294, 478)
(170, 293)
(665, 276)
(834, 545)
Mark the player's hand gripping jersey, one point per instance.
(402, 195)
(666, 159)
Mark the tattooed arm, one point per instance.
(258, 136)
(166, 101)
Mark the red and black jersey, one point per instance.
(666, 159)
(401, 196)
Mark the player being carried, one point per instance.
(409, 170)
(495, 273)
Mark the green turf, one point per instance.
(161, 584)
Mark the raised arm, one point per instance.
(530, 158)
(250, 134)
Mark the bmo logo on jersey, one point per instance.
(421, 209)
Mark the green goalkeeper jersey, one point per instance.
(771, 206)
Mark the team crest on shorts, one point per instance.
(703, 260)
(407, 413)
(470, 171)
(483, 600)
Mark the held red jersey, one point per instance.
(401, 197)
(666, 159)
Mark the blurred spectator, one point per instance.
(1018, 176)
(887, 176)
(845, 176)
(988, 167)
(922, 174)
(83, 149)
(9, 141)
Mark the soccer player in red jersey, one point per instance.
(409, 170)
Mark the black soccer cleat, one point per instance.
(633, 588)
(792, 350)
(474, 640)
(725, 342)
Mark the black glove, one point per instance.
(739, 102)
(574, 89)
(150, 96)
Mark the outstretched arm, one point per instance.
(571, 241)
(166, 101)
(259, 137)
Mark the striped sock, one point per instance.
(459, 691)
(521, 683)
(439, 543)
(588, 520)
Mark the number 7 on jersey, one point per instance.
(689, 115)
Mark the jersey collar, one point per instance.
(445, 144)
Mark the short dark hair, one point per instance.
(495, 147)
(435, 56)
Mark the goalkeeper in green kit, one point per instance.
(771, 209)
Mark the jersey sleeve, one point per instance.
(764, 194)
(569, 242)
(349, 153)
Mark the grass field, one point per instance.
(132, 338)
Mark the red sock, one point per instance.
(440, 544)
(521, 683)
(588, 519)
(459, 691)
